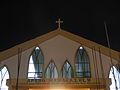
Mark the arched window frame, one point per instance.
(117, 77)
(66, 73)
(52, 76)
(38, 65)
(4, 82)
(85, 72)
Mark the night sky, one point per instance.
(24, 20)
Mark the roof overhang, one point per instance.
(38, 40)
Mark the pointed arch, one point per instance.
(67, 71)
(82, 63)
(4, 75)
(51, 70)
(117, 77)
(36, 64)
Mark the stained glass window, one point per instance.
(82, 64)
(4, 75)
(51, 71)
(36, 62)
(67, 70)
(114, 75)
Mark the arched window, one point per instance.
(4, 75)
(36, 62)
(51, 71)
(82, 64)
(67, 70)
(117, 78)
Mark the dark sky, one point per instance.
(23, 20)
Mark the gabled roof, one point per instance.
(34, 42)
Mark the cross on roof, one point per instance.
(59, 22)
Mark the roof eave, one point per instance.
(34, 42)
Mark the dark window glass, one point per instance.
(82, 64)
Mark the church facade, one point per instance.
(59, 60)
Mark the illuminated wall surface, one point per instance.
(60, 59)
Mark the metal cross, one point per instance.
(59, 22)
